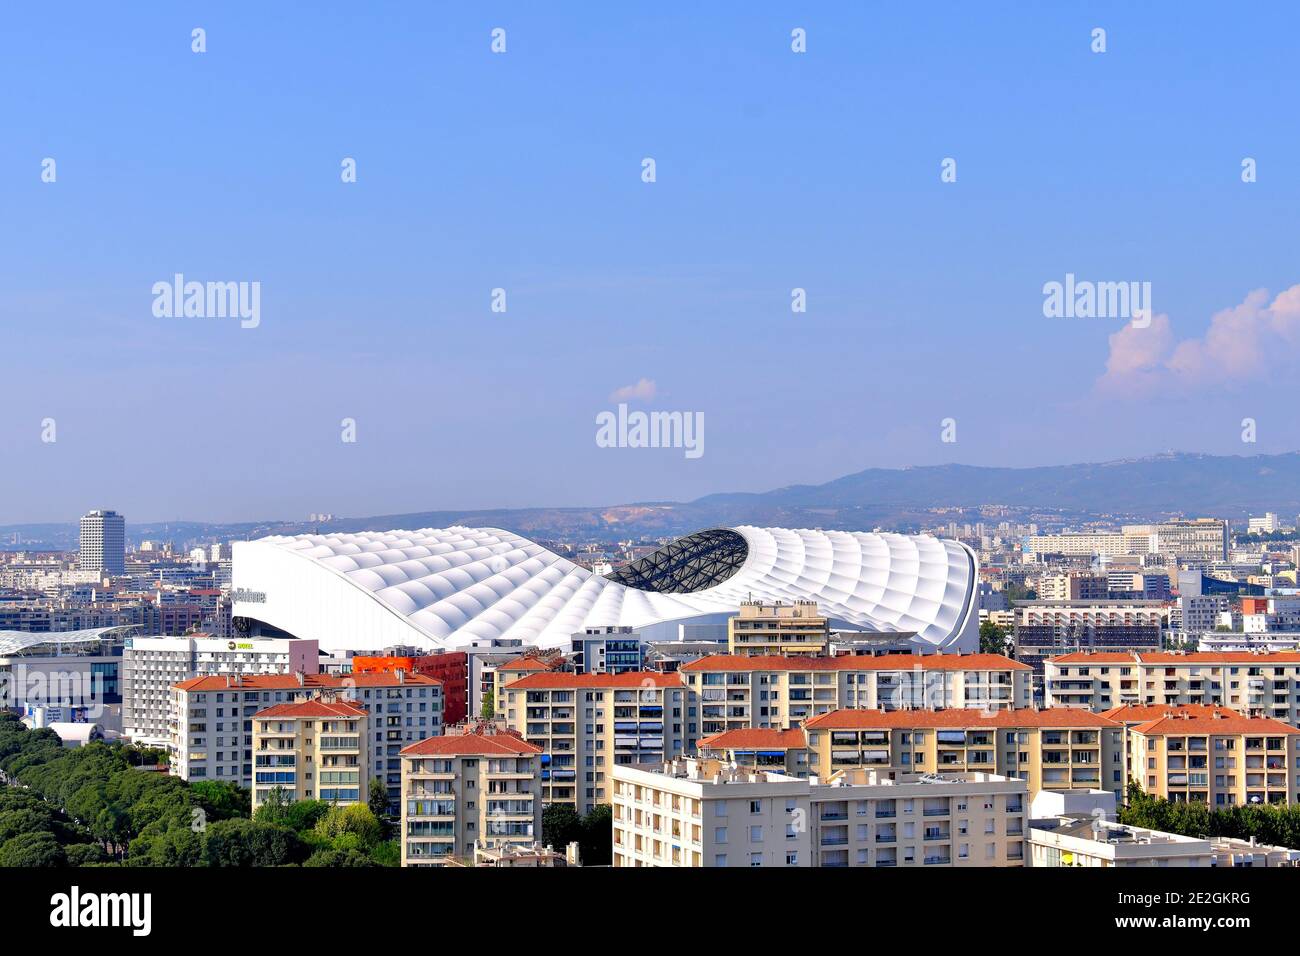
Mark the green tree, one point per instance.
(561, 825)
(38, 849)
(489, 708)
(993, 638)
(355, 821)
(246, 843)
(378, 802)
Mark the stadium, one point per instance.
(447, 588)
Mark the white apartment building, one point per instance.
(1076, 841)
(151, 666)
(702, 813)
(212, 719)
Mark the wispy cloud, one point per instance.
(644, 390)
(1250, 340)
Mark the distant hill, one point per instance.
(1155, 487)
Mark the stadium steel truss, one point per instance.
(693, 563)
(455, 587)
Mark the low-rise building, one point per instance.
(761, 630)
(312, 750)
(476, 788)
(1090, 841)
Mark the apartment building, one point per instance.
(737, 692)
(761, 630)
(151, 666)
(1197, 539)
(1253, 683)
(1073, 587)
(1223, 759)
(587, 724)
(478, 788)
(1104, 543)
(1075, 841)
(312, 750)
(1048, 749)
(507, 672)
(212, 719)
(762, 748)
(1130, 715)
(703, 813)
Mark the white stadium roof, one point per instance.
(448, 587)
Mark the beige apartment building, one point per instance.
(735, 693)
(312, 750)
(760, 630)
(1057, 749)
(1223, 759)
(703, 813)
(476, 788)
(587, 724)
(1130, 715)
(1256, 684)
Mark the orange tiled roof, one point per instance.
(313, 708)
(1063, 717)
(1229, 723)
(756, 738)
(561, 680)
(856, 662)
(475, 743)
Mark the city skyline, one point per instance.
(775, 171)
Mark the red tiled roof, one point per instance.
(850, 719)
(474, 743)
(313, 708)
(857, 662)
(756, 738)
(1140, 713)
(561, 680)
(309, 681)
(1229, 723)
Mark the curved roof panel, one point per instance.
(446, 587)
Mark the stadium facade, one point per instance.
(450, 587)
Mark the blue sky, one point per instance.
(523, 171)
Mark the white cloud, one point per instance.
(1248, 341)
(644, 390)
